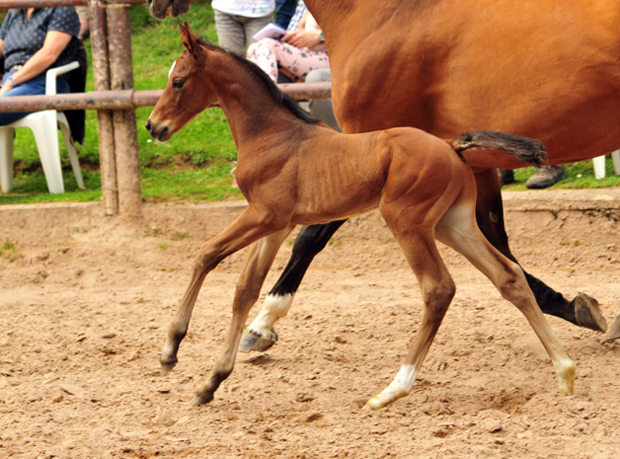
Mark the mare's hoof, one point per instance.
(203, 399)
(253, 341)
(588, 313)
(167, 366)
(614, 331)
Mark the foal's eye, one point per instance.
(178, 84)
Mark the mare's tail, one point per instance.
(529, 150)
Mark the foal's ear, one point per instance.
(189, 40)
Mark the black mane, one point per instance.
(278, 96)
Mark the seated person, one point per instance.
(297, 53)
(32, 41)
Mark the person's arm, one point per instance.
(302, 22)
(54, 44)
(303, 38)
(1, 48)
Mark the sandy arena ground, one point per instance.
(86, 301)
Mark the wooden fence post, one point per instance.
(125, 134)
(101, 69)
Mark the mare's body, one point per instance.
(293, 170)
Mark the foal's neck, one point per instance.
(247, 102)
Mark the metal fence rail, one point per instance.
(129, 98)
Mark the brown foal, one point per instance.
(294, 170)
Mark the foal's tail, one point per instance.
(529, 150)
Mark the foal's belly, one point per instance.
(329, 212)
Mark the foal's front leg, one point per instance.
(248, 289)
(246, 229)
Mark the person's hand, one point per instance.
(303, 38)
(7, 86)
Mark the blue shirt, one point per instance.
(23, 38)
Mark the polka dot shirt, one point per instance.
(23, 38)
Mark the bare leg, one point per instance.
(458, 230)
(248, 289)
(246, 229)
(261, 334)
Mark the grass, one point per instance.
(195, 164)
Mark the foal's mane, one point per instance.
(278, 96)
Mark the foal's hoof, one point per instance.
(167, 366)
(614, 331)
(203, 399)
(254, 341)
(588, 314)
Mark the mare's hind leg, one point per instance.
(261, 334)
(458, 230)
(259, 261)
(583, 310)
(437, 290)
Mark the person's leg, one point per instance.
(546, 176)
(506, 176)
(253, 25)
(32, 87)
(296, 63)
(230, 33)
(261, 53)
(285, 10)
(322, 108)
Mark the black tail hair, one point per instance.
(529, 150)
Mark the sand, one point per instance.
(86, 301)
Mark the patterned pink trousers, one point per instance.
(295, 63)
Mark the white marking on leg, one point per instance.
(274, 308)
(566, 370)
(398, 388)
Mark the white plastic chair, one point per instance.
(599, 165)
(44, 126)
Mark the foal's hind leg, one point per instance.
(437, 290)
(261, 335)
(459, 230)
(248, 289)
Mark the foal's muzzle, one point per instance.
(162, 133)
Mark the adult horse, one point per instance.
(545, 69)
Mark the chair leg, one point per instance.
(616, 157)
(49, 152)
(75, 163)
(6, 159)
(599, 167)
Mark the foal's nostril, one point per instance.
(148, 125)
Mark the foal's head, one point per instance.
(188, 91)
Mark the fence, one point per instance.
(115, 99)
